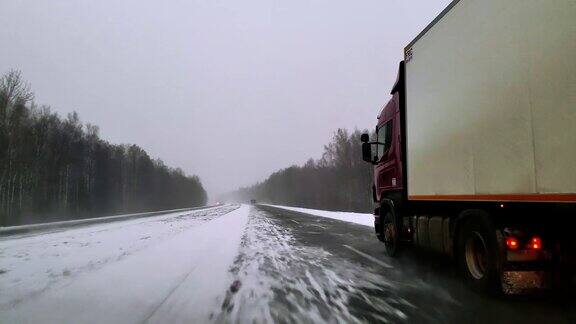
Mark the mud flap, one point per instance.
(523, 282)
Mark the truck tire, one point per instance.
(477, 254)
(390, 233)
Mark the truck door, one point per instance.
(387, 168)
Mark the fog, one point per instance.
(228, 90)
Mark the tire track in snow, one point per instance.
(170, 293)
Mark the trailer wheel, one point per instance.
(477, 254)
(390, 233)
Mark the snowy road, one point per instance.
(239, 264)
(164, 268)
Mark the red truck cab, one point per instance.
(387, 154)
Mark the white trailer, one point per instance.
(491, 102)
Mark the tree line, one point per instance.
(54, 168)
(339, 180)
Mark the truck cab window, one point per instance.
(385, 137)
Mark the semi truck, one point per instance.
(475, 152)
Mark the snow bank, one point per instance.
(357, 218)
(20, 229)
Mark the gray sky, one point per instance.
(228, 90)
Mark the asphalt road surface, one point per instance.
(298, 268)
(241, 264)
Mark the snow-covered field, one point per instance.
(358, 218)
(131, 272)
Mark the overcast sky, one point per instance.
(228, 90)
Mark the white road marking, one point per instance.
(295, 221)
(371, 258)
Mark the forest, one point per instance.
(339, 180)
(54, 168)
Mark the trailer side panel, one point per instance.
(491, 101)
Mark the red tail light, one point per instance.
(535, 243)
(512, 243)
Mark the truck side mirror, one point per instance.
(367, 152)
(366, 148)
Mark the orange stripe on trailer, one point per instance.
(497, 198)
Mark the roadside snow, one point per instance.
(170, 268)
(357, 218)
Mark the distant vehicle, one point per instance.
(475, 155)
(253, 201)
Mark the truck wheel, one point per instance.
(390, 234)
(477, 255)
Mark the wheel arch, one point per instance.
(460, 219)
(387, 204)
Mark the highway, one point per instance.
(241, 264)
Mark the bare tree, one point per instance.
(13, 90)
